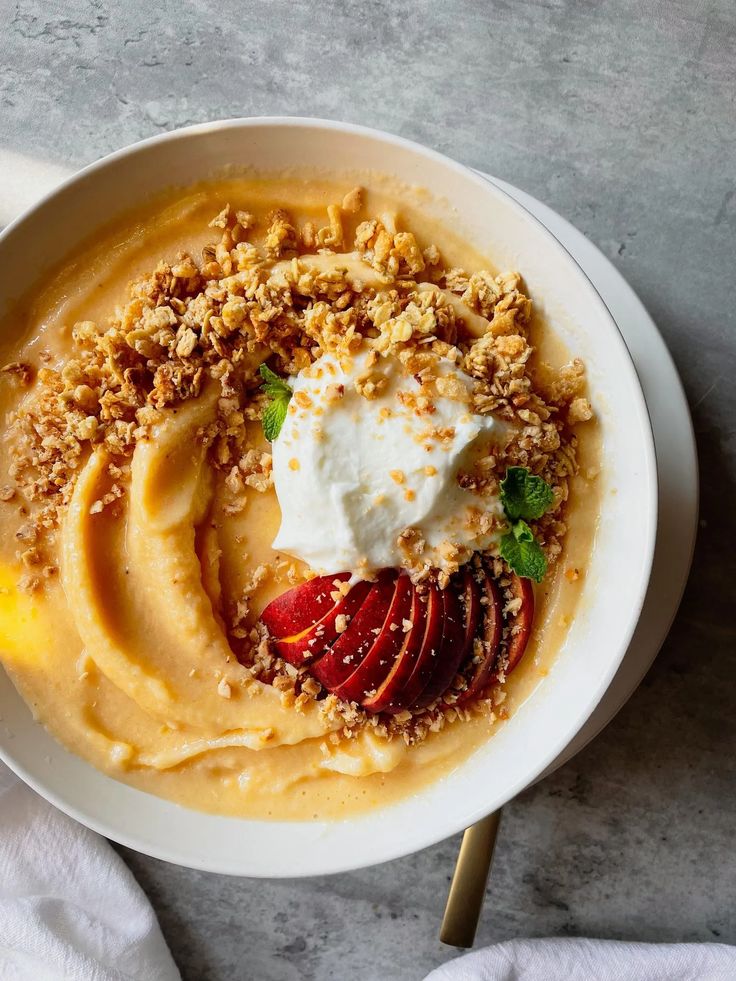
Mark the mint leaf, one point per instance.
(273, 418)
(525, 496)
(275, 412)
(522, 553)
(522, 532)
(272, 384)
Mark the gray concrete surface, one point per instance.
(621, 116)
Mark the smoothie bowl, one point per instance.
(327, 497)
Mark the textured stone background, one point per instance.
(621, 116)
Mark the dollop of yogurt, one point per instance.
(352, 473)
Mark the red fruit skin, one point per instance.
(429, 651)
(388, 692)
(492, 629)
(452, 647)
(347, 653)
(472, 608)
(307, 646)
(524, 618)
(301, 607)
(379, 660)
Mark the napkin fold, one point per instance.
(572, 959)
(69, 907)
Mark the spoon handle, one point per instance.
(468, 887)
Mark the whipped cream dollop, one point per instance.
(352, 473)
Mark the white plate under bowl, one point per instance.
(616, 580)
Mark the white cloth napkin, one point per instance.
(24, 181)
(69, 907)
(591, 960)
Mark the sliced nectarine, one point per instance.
(307, 644)
(379, 659)
(521, 623)
(426, 658)
(388, 691)
(301, 607)
(339, 661)
(452, 646)
(489, 640)
(357, 645)
(472, 607)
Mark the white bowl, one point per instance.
(615, 584)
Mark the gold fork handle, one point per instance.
(468, 887)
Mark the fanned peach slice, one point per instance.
(301, 607)
(452, 646)
(388, 691)
(384, 650)
(489, 640)
(472, 606)
(521, 624)
(346, 654)
(303, 621)
(429, 652)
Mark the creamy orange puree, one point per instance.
(123, 655)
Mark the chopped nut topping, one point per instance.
(303, 400)
(333, 393)
(370, 384)
(341, 623)
(580, 411)
(353, 201)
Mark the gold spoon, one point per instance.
(468, 886)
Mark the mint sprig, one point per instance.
(275, 412)
(524, 497)
(523, 553)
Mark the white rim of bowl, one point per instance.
(556, 748)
